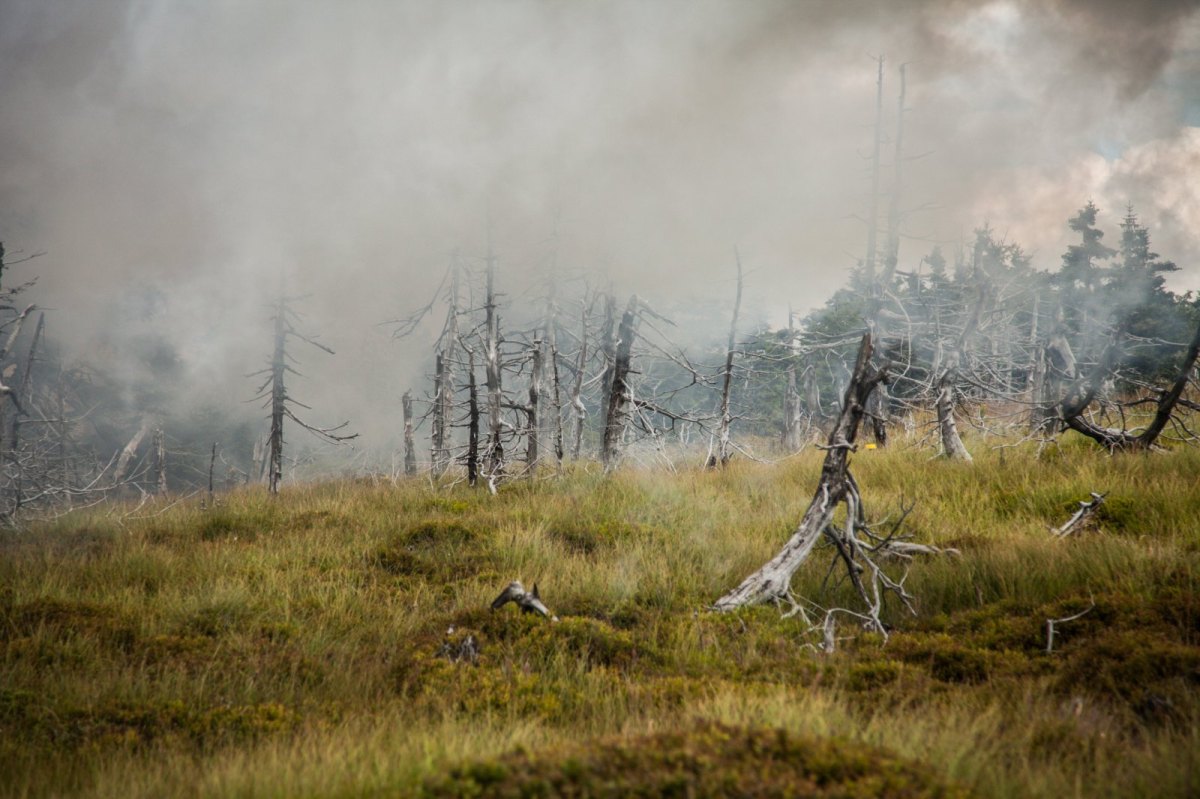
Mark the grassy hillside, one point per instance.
(298, 646)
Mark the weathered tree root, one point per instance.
(527, 601)
(1087, 509)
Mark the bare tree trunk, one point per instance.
(1168, 401)
(952, 445)
(879, 410)
(126, 457)
(532, 410)
(410, 450)
(577, 391)
(812, 397)
(22, 389)
(893, 243)
(443, 407)
(63, 433)
(551, 353)
(495, 447)
(556, 400)
(472, 421)
(212, 465)
(723, 447)
(160, 461)
(773, 580)
(1040, 413)
(439, 421)
(1082, 395)
(278, 400)
(619, 393)
(791, 399)
(608, 339)
(873, 215)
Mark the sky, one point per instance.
(205, 152)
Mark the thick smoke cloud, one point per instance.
(211, 150)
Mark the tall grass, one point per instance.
(290, 646)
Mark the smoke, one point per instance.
(211, 151)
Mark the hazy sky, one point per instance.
(210, 148)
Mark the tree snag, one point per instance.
(619, 394)
(1115, 439)
(952, 445)
(410, 450)
(772, 582)
(721, 457)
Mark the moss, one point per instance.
(709, 760)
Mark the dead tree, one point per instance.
(873, 214)
(550, 359)
(772, 582)
(791, 397)
(577, 405)
(160, 461)
(274, 391)
(125, 459)
(893, 239)
(472, 455)
(494, 453)
(443, 408)
(952, 445)
(410, 450)
(721, 456)
(21, 396)
(1077, 401)
(619, 393)
(446, 358)
(531, 408)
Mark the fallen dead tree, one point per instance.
(860, 549)
(1073, 408)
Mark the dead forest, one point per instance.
(965, 335)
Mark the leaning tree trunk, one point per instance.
(773, 580)
(619, 391)
(125, 460)
(1077, 401)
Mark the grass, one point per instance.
(291, 646)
